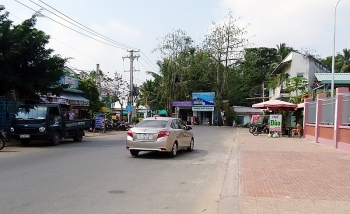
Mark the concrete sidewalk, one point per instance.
(291, 175)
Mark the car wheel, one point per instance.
(134, 152)
(25, 142)
(56, 139)
(173, 152)
(190, 149)
(78, 137)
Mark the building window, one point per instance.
(300, 74)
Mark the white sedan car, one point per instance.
(161, 134)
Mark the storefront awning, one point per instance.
(67, 99)
(73, 97)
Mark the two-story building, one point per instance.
(297, 65)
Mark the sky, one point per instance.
(305, 25)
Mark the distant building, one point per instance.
(244, 114)
(297, 65)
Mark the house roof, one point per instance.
(288, 60)
(339, 78)
(246, 110)
(281, 67)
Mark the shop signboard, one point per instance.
(202, 108)
(203, 99)
(99, 120)
(275, 123)
(182, 103)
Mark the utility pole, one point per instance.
(98, 77)
(131, 92)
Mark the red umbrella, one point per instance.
(276, 105)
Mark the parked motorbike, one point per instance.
(3, 139)
(260, 129)
(122, 126)
(252, 127)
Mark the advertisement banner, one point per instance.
(275, 123)
(99, 120)
(203, 99)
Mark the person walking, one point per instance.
(93, 122)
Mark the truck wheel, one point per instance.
(2, 143)
(25, 142)
(78, 137)
(56, 139)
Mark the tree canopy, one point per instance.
(25, 63)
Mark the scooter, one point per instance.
(260, 129)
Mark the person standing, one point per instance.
(93, 123)
(71, 115)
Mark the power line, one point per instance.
(92, 31)
(79, 32)
(149, 61)
(72, 47)
(70, 27)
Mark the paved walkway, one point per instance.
(291, 175)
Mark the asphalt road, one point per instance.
(99, 176)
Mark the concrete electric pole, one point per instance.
(131, 92)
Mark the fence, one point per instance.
(327, 120)
(346, 110)
(328, 107)
(312, 113)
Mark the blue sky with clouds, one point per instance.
(307, 25)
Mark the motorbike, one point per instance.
(2, 138)
(260, 129)
(252, 127)
(122, 126)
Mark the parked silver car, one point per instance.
(161, 134)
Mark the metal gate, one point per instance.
(7, 111)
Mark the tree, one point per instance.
(297, 84)
(254, 70)
(25, 64)
(343, 61)
(171, 67)
(115, 89)
(91, 90)
(225, 43)
(282, 52)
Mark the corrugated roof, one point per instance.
(246, 110)
(339, 78)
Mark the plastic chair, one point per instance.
(297, 130)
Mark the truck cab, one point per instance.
(45, 122)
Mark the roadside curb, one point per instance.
(228, 202)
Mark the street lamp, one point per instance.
(335, 17)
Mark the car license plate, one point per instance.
(24, 136)
(143, 136)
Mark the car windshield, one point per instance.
(152, 123)
(31, 112)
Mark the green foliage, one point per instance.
(90, 88)
(25, 63)
(230, 116)
(297, 84)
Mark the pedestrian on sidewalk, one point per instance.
(93, 122)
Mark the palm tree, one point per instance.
(343, 61)
(297, 84)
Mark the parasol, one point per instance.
(276, 105)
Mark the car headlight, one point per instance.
(41, 129)
(12, 129)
